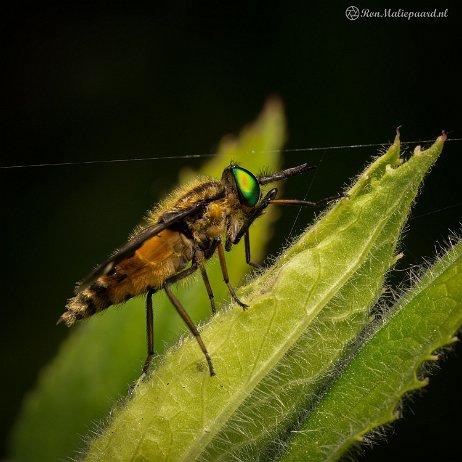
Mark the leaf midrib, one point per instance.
(201, 442)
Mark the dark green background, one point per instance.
(86, 83)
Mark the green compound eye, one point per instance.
(247, 186)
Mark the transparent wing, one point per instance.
(136, 242)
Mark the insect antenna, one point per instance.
(283, 174)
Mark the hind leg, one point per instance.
(149, 330)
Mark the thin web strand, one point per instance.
(198, 156)
(308, 189)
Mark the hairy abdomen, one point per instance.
(159, 258)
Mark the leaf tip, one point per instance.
(443, 137)
(273, 104)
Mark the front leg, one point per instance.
(224, 271)
(247, 252)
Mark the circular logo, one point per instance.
(352, 13)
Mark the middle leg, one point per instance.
(184, 315)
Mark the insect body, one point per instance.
(180, 236)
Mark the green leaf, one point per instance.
(182, 413)
(389, 364)
(262, 420)
(104, 354)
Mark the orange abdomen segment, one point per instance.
(159, 258)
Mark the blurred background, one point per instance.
(84, 83)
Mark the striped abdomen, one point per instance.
(159, 258)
